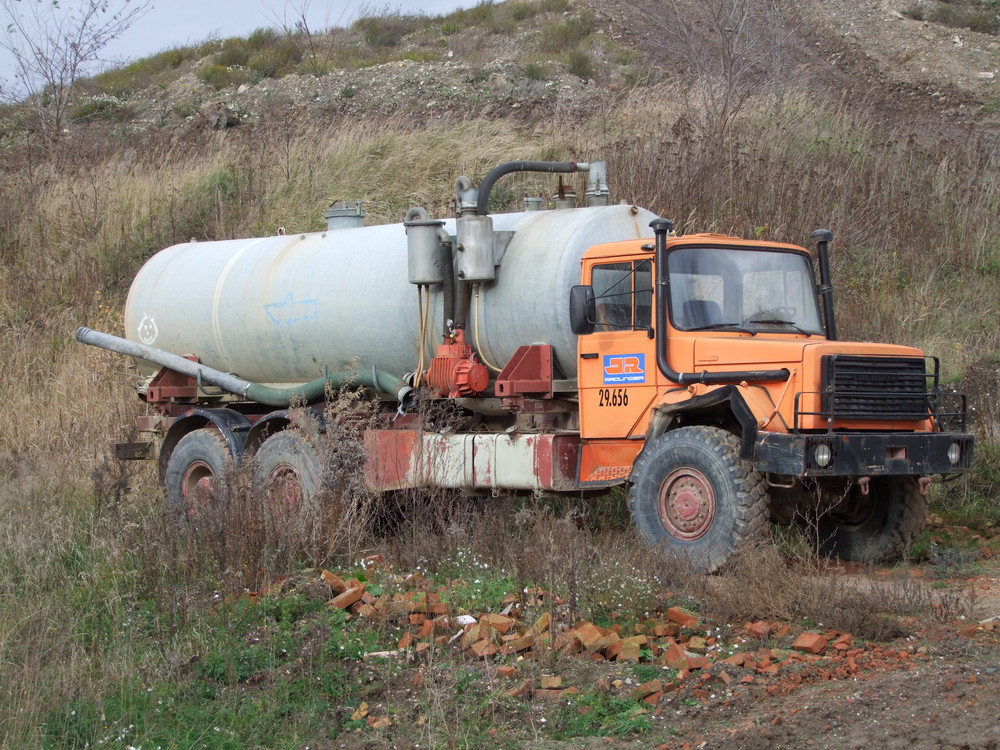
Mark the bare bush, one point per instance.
(736, 50)
(53, 47)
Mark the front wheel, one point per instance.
(877, 527)
(694, 497)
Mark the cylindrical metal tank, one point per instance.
(278, 310)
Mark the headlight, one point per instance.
(954, 453)
(822, 455)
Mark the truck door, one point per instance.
(617, 365)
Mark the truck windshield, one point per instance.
(752, 290)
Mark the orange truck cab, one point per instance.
(711, 377)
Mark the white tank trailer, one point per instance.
(285, 309)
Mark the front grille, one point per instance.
(858, 387)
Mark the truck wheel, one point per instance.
(194, 471)
(877, 527)
(694, 497)
(289, 470)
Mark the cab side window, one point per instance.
(623, 295)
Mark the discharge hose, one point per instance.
(269, 396)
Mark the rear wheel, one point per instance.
(877, 527)
(289, 470)
(195, 470)
(695, 498)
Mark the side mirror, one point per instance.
(582, 309)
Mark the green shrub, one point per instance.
(263, 38)
(108, 108)
(234, 52)
(534, 71)
(564, 35)
(975, 15)
(477, 16)
(220, 77)
(521, 11)
(580, 63)
(275, 60)
(139, 74)
(385, 31)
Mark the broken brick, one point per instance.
(588, 633)
(674, 657)
(334, 581)
(682, 617)
(654, 698)
(611, 638)
(507, 672)
(541, 624)
(663, 629)
(630, 648)
(697, 644)
(484, 648)
(348, 597)
(647, 688)
(499, 623)
(810, 643)
(518, 644)
(551, 682)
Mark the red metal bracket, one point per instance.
(168, 386)
(528, 371)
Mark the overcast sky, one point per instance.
(174, 23)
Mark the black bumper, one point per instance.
(862, 454)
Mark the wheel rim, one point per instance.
(197, 486)
(284, 486)
(686, 504)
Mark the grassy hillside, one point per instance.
(109, 615)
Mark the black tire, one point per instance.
(195, 471)
(289, 470)
(695, 498)
(877, 527)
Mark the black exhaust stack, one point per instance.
(823, 237)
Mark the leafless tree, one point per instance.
(294, 21)
(52, 47)
(736, 50)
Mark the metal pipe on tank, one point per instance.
(267, 395)
(483, 201)
(445, 247)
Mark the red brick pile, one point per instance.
(676, 640)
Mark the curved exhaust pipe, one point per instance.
(661, 228)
